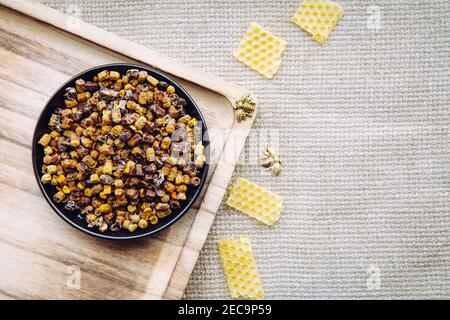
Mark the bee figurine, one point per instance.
(244, 107)
(271, 161)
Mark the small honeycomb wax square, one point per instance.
(318, 17)
(260, 50)
(257, 202)
(240, 269)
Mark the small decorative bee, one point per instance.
(244, 107)
(271, 161)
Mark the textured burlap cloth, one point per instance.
(362, 127)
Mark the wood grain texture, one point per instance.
(37, 248)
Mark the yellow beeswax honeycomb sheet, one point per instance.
(240, 269)
(257, 202)
(318, 17)
(260, 50)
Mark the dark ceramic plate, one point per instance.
(57, 100)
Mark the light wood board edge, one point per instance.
(236, 140)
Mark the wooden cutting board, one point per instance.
(42, 257)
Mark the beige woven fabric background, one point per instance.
(363, 129)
